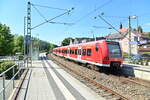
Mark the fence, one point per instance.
(8, 85)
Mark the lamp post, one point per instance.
(129, 31)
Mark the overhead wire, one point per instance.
(91, 12)
(47, 21)
(39, 12)
(109, 24)
(61, 23)
(49, 7)
(115, 16)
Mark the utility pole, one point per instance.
(29, 44)
(24, 36)
(129, 31)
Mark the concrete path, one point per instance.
(48, 81)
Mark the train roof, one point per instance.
(92, 42)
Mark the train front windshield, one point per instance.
(114, 50)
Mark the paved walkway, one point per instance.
(47, 81)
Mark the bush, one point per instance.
(125, 55)
(5, 65)
(21, 57)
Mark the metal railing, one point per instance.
(8, 58)
(20, 66)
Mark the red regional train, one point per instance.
(100, 53)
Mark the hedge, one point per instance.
(5, 65)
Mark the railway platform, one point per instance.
(47, 81)
(138, 71)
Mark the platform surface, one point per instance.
(47, 81)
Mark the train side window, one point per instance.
(70, 51)
(88, 52)
(97, 47)
(84, 52)
(79, 51)
(75, 51)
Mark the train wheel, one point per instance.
(90, 66)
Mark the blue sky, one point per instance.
(13, 11)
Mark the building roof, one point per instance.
(124, 29)
(123, 33)
(120, 35)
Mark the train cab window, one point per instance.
(75, 51)
(88, 52)
(83, 52)
(97, 47)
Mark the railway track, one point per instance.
(107, 92)
(133, 80)
(137, 90)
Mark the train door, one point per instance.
(97, 52)
(79, 53)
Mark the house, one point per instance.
(139, 41)
(144, 47)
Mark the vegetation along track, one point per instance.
(121, 85)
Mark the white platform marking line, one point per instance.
(60, 85)
(52, 95)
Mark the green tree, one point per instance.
(46, 46)
(18, 44)
(149, 34)
(51, 46)
(6, 40)
(66, 41)
(140, 29)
